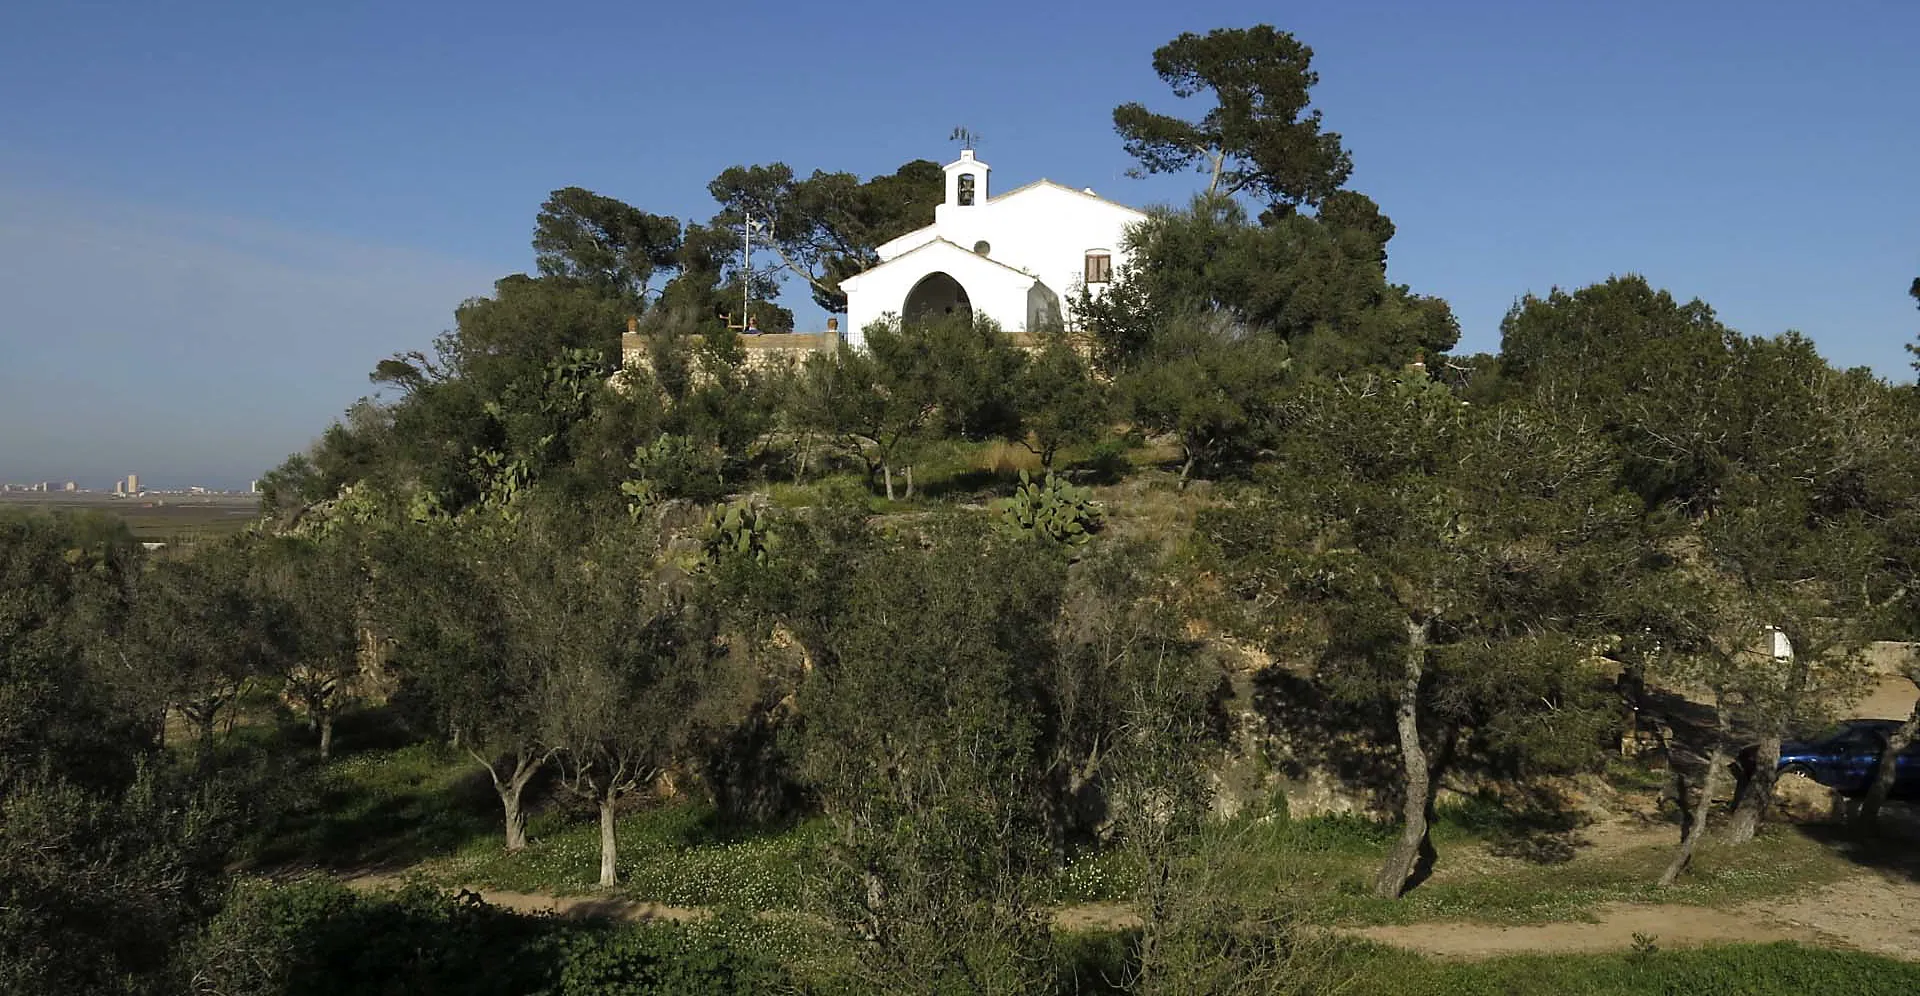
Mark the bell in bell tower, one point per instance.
(966, 181)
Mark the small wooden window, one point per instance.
(1099, 268)
(966, 189)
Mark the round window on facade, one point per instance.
(982, 247)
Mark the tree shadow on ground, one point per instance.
(361, 730)
(1356, 745)
(383, 802)
(1105, 464)
(1531, 822)
(350, 827)
(1893, 848)
(974, 483)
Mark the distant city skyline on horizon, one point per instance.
(58, 483)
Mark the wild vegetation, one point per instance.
(871, 663)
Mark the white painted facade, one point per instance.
(1019, 258)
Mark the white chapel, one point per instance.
(1018, 258)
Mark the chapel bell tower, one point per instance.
(966, 181)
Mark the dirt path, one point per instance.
(579, 907)
(1096, 916)
(1871, 913)
(1865, 913)
(1878, 913)
(1669, 926)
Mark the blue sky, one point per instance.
(215, 217)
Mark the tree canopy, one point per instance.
(603, 242)
(1260, 136)
(825, 227)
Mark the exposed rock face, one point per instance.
(1276, 765)
(747, 768)
(1298, 753)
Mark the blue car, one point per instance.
(1843, 758)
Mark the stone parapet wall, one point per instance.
(763, 351)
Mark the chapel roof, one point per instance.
(1044, 182)
(938, 241)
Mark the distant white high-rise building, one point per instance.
(133, 484)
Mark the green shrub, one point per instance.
(98, 886)
(1107, 463)
(1735, 970)
(317, 937)
(673, 466)
(647, 959)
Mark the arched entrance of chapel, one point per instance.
(936, 296)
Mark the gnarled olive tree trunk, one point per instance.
(1696, 826)
(1416, 773)
(1755, 795)
(526, 764)
(609, 844)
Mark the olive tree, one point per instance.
(313, 593)
(626, 657)
(911, 383)
(922, 743)
(198, 633)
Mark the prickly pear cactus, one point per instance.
(672, 467)
(742, 529)
(1052, 510)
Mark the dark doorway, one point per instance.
(936, 296)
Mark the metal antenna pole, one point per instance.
(746, 270)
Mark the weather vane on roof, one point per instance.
(967, 137)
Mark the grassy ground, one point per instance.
(384, 809)
(430, 809)
(427, 810)
(674, 854)
(186, 523)
(1329, 864)
(1731, 970)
